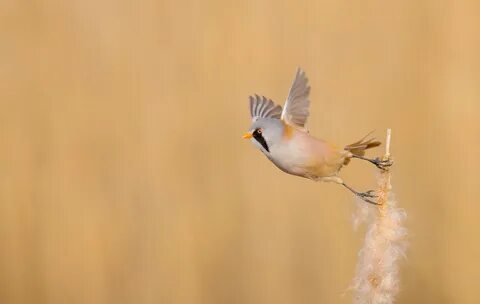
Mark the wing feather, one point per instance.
(295, 112)
(260, 106)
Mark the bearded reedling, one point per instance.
(281, 135)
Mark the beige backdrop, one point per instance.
(124, 178)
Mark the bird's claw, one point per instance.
(382, 164)
(367, 196)
(369, 193)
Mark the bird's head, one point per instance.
(265, 133)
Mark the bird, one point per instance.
(281, 135)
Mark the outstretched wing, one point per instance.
(260, 106)
(295, 112)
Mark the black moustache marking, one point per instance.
(259, 137)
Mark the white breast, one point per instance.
(291, 156)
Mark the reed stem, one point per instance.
(377, 274)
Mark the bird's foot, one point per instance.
(382, 164)
(368, 196)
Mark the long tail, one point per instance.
(358, 148)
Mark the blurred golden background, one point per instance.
(124, 178)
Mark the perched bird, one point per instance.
(281, 135)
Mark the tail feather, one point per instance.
(358, 148)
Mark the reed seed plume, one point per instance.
(377, 273)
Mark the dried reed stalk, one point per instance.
(377, 274)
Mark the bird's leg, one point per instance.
(380, 163)
(365, 196)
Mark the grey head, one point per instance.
(266, 124)
(265, 133)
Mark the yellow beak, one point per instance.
(247, 135)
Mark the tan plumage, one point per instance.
(282, 136)
(358, 148)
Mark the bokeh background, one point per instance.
(124, 178)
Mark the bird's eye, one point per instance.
(259, 131)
